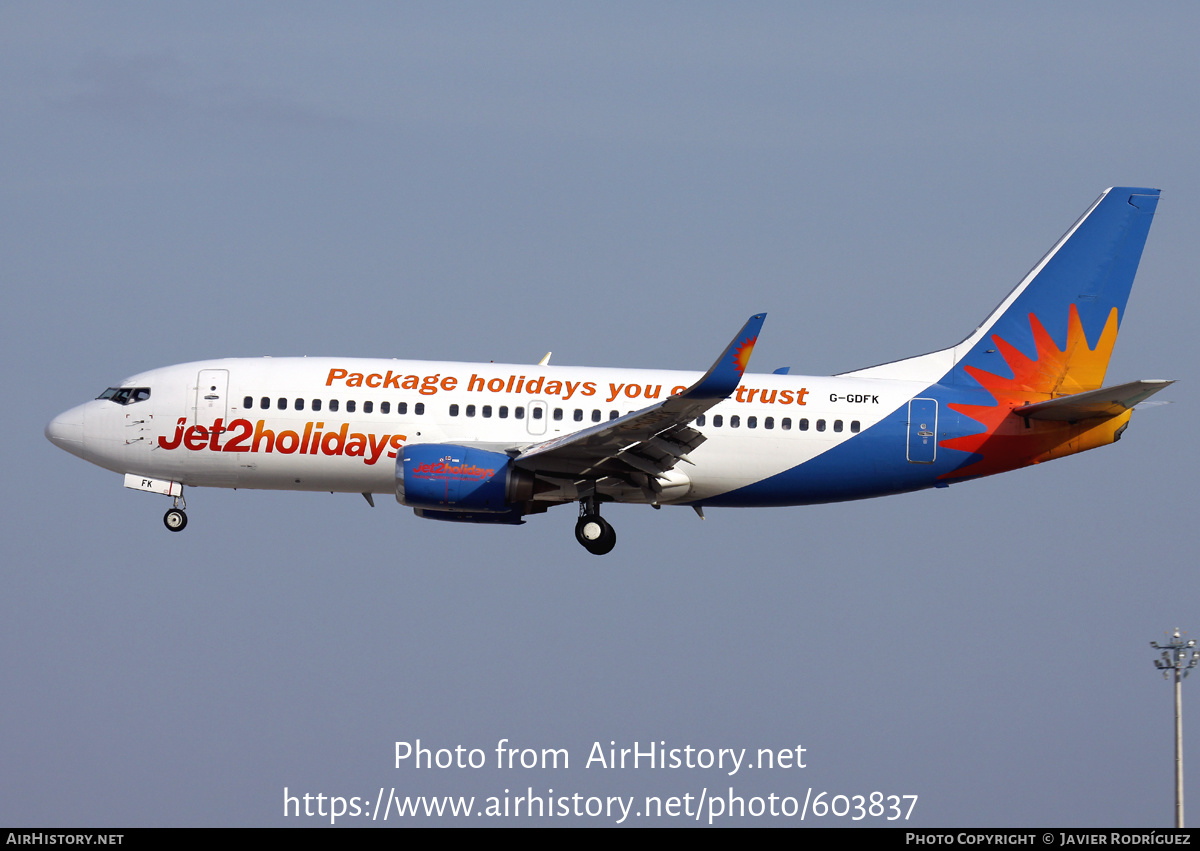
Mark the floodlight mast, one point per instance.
(1178, 656)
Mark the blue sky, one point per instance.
(622, 185)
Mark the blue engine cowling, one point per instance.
(461, 480)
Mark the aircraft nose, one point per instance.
(66, 430)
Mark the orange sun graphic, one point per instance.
(741, 356)
(1009, 440)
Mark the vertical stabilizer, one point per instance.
(1061, 321)
(1070, 306)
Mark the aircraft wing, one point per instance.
(1105, 402)
(637, 447)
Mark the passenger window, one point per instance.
(579, 415)
(368, 407)
(735, 421)
(470, 410)
(487, 410)
(385, 407)
(350, 407)
(264, 403)
(855, 426)
(316, 404)
(803, 425)
(595, 415)
(518, 413)
(454, 410)
(333, 404)
(299, 404)
(248, 402)
(503, 412)
(419, 408)
(537, 413)
(820, 425)
(700, 420)
(557, 414)
(402, 408)
(612, 415)
(281, 404)
(751, 422)
(769, 422)
(837, 425)
(717, 420)
(786, 424)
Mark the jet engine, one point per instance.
(466, 483)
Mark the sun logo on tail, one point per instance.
(1009, 441)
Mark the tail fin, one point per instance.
(1060, 323)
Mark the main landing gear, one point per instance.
(176, 519)
(593, 531)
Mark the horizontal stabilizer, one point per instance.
(1105, 402)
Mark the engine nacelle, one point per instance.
(461, 479)
(512, 518)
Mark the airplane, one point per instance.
(495, 443)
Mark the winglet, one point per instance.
(724, 375)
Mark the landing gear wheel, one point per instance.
(595, 533)
(175, 520)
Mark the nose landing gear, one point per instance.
(594, 532)
(176, 518)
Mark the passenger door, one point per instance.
(922, 431)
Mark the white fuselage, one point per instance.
(336, 424)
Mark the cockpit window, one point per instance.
(126, 395)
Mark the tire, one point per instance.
(589, 529)
(175, 520)
(595, 534)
